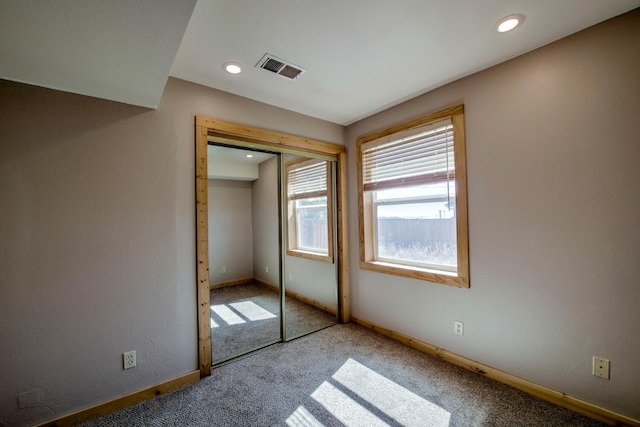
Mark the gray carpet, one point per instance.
(343, 375)
(253, 301)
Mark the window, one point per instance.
(413, 200)
(309, 215)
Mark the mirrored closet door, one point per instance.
(244, 250)
(272, 269)
(310, 274)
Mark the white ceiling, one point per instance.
(234, 163)
(120, 50)
(237, 155)
(362, 56)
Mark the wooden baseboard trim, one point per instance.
(311, 302)
(298, 296)
(231, 283)
(272, 287)
(122, 401)
(550, 395)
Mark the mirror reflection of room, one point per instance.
(250, 249)
(310, 279)
(243, 234)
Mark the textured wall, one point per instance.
(266, 247)
(314, 279)
(97, 240)
(230, 230)
(552, 154)
(97, 247)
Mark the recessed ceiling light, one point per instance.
(249, 155)
(508, 23)
(232, 67)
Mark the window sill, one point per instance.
(434, 276)
(310, 255)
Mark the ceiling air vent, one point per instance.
(280, 66)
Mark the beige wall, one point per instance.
(553, 146)
(266, 223)
(97, 229)
(97, 240)
(230, 230)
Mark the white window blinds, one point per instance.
(308, 179)
(415, 156)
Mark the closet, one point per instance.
(271, 260)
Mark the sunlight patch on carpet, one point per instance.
(345, 409)
(371, 393)
(252, 311)
(226, 314)
(397, 402)
(302, 418)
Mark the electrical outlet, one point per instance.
(601, 367)
(266, 268)
(129, 359)
(290, 277)
(458, 327)
(223, 270)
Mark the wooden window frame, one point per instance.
(245, 135)
(460, 278)
(291, 222)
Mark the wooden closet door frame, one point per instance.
(285, 143)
